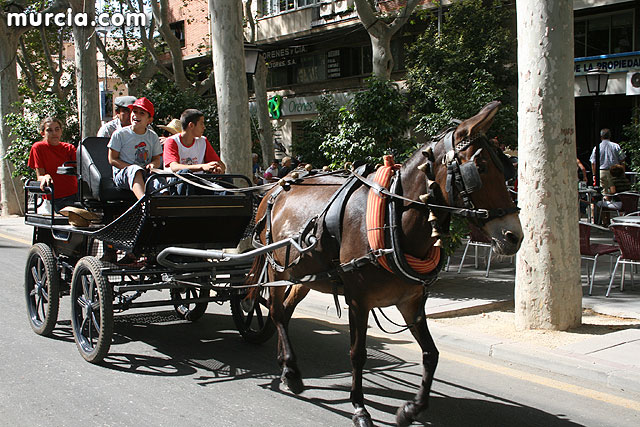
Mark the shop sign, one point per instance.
(296, 106)
(618, 63)
(284, 57)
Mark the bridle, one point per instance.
(463, 179)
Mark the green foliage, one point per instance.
(458, 230)
(372, 124)
(170, 101)
(469, 65)
(631, 144)
(308, 147)
(25, 127)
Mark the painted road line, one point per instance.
(547, 382)
(15, 239)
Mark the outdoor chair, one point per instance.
(629, 204)
(627, 236)
(477, 239)
(591, 251)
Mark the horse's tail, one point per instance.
(253, 277)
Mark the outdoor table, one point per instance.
(635, 219)
(589, 192)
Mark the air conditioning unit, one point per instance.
(633, 83)
(342, 6)
(326, 8)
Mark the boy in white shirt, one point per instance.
(134, 151)
(189, 150)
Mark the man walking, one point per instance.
(610, 154)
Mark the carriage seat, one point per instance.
(97, 176)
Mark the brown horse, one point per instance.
(476, 190)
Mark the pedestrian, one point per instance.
(46, 156)
(610, 154)
(272, 171)
(122, 119)
(286, 167)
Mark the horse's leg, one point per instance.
(358, 318)
(291, 377)
(297, 294)
(413, 313)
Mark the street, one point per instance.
(165, 372)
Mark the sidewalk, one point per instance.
(607, 354)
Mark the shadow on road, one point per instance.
(212, 351)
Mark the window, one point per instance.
(603, 34)
(178, 31)
(275, 7)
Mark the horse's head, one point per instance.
(471, 173)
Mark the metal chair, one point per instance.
(627, 236)
(629, 204)
(477, 239)
(591, 251)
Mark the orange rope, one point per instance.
(375, 222)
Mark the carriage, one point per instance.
(68, 253)
(373, 238)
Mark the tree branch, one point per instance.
(160, 12)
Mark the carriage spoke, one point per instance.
(39, 307)
(85, 286)
(96, 323)
(82, 302)
(36, 274)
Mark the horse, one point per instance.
(458, 172)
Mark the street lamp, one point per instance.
(251, 53)
(596, 84)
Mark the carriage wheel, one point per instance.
(42, 289)
(91, 309)
(251, 316)
(193, 311)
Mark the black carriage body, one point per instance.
(213, 220)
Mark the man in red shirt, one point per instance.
(46, 156)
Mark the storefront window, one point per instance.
(311, 68)
(604, 34)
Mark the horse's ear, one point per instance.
(480, 123)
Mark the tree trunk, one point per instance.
(262, 110)
(86, 70)
(231, 85)
(548, 292)
(10, 189)
(381, 34)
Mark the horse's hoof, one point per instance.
(291, 380)
(361, 418)
(406, 414)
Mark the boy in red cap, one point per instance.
(135, 150)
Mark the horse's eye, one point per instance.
(482, 167)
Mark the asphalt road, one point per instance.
(164, 372)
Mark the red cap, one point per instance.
(144, 104)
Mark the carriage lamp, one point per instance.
(251, 54)
(596, 84)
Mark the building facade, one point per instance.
(316, 47)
